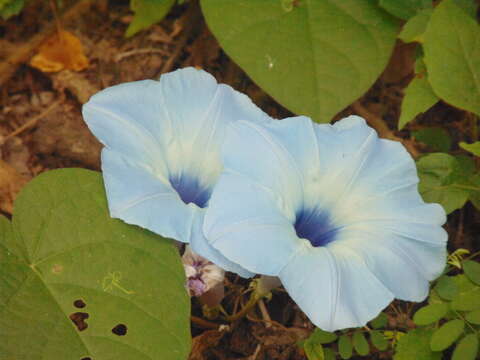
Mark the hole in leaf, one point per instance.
(78, 319)
(79, 303)
(86, 358)
(120, 330)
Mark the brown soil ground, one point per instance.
(41, 128)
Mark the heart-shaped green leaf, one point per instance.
(76, 284)
(452, 47)
(313, 57)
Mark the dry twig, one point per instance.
(33, 121)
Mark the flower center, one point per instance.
(190, 190)
(315, 226)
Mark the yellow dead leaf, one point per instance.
(62, 51)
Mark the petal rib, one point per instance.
(245, 223)
(335, 291)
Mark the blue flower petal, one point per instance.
(244, 223)
(138, 197)
(403, 257)
(335, 291)
(200, 246)
(351, 195)
(253, 150)
(163, 140)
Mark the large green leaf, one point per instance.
(415, 27)
(404, 9)
(147, 12)
(64, 260)
(452, 55)
(314, 57)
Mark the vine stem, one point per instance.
(262, 288)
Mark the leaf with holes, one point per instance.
(451, 45)
(313, 57)
(75, 283)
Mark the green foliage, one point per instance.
(147, 13)
(405, 9)
(467, 349)
(446, 287)
(468, 294)
(416, 345)
(436, 138)
(360, 344)
(378, 340)
(314, 57)
(472, 271)
(446, 335)
(473, 148)
(450, 320)
(322, 337)
(451, 47)
(430, 314)
(313, 350)
(473, 317)
(419, 97)
(63, 259)
(447, 180)
(380, 321)
(415, 27)
(345, 347)
(8, 8)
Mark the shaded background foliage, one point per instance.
(410, 67)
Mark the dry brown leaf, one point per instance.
(61, 51)
(208, 339)
(11, 183)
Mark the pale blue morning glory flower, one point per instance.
(161, 156)
(333, 211)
